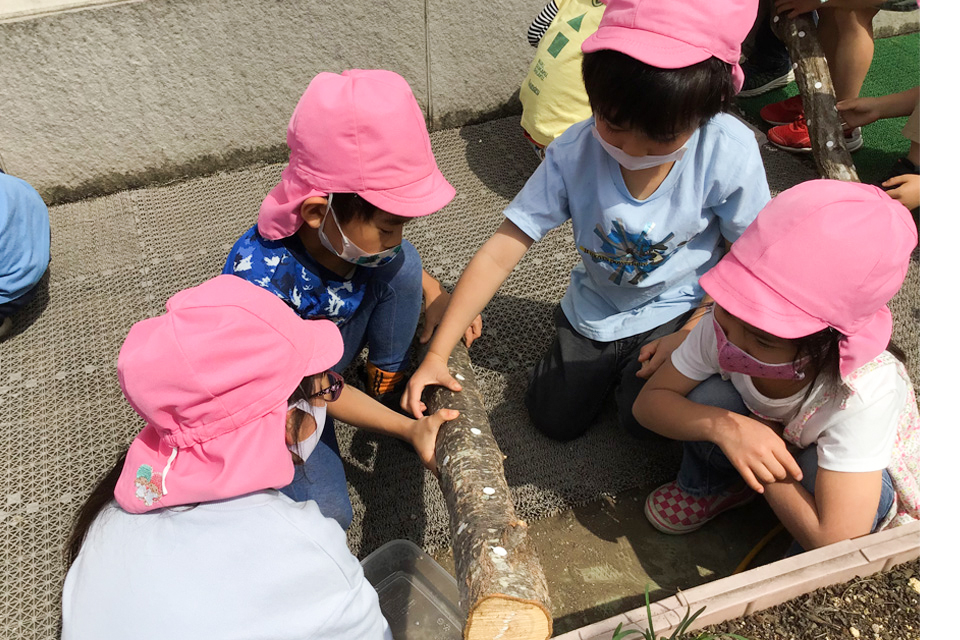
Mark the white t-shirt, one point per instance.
(855, 435)
(255, 567)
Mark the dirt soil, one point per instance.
(884, 606)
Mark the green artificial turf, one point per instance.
(895, 68)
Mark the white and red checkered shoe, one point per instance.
(672, 510)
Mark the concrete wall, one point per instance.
(122, 95)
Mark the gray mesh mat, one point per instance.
(117, 259)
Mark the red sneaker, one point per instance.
(672, 510)
(783, 112)
(795, 137)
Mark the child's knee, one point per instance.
(552, 416)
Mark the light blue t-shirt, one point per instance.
(24, 237)
(641, 259)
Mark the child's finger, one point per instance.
(762, 473)
(895, 181)
(410, 400)
(749, 478)
(647, 350)
(790, 465)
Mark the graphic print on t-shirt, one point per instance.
(633, 255)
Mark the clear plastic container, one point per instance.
(417, 597)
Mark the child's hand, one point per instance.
(907, 190)
(423, 436)
(794, 8)
(435, 306)
(857, 112)
(433, 370)
(757, 452)
(655, 352)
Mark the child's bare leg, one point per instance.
(847, 39)
(914, 154)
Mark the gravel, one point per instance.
(884, 606)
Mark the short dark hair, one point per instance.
(350, 206)
(660, 103)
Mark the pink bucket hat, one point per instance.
(357, 132)
(822, 254)
(211, 377)
(671, 34)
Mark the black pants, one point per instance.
(570, 384)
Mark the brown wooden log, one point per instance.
(819, 98)
(503, 590)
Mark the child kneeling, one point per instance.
(788, 387)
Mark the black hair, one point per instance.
(823, 349)
(659, 103)
(350, 206)
(102, 493)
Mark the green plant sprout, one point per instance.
(648, 633)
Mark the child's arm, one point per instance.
(357, 408)
(435, 302)
(541, 23)
(754, 449)
(858, 112)
(843, 507)
(484, 274)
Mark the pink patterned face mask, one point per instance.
(736, 360)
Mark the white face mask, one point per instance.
(635, 163)
(305, 447)
(351, 252)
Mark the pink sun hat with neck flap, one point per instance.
(360, 132)
(671, 34)
(821, 254)
(211, 377)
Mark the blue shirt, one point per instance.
(641, 259)
(24, 237)
(284, 268)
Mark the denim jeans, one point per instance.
(10, 307)
(387, 317)
(386, 321)
(571, 383)
(705, 470)
(321, 478)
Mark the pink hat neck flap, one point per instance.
(211, 378)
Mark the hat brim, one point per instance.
(251, 458)
(327, 346)
(416, 199)
(646, 46)
(735, 288)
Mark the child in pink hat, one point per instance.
(656, 184)
(329, 237)
(789, 387)
(329, 240)
(226, 425)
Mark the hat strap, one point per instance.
(163, 477)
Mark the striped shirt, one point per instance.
(540, 24)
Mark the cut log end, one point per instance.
(500, 617)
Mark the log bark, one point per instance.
(819, 98)
(503, 590)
